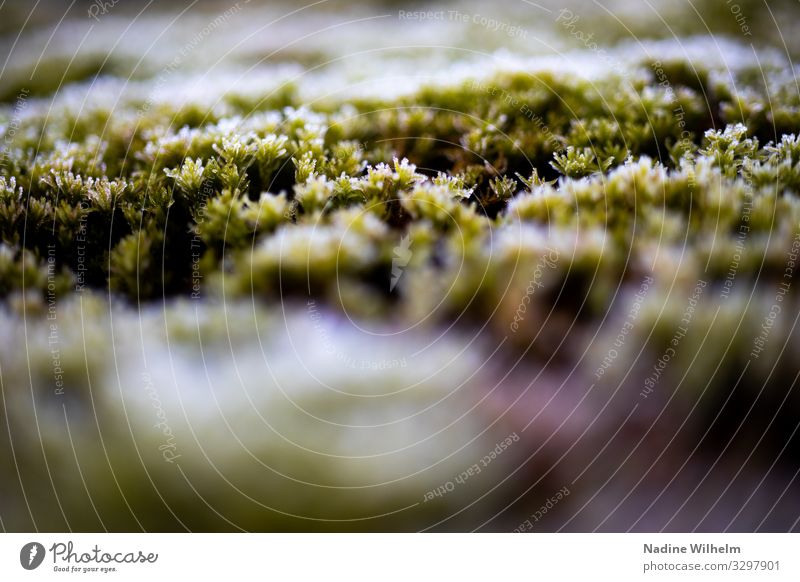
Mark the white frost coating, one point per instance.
(393, 72)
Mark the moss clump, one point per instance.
(226, 188)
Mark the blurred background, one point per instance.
(51, 43)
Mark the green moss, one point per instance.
(453, 205)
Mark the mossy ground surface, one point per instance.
(307, 288)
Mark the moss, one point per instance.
(523, 204)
